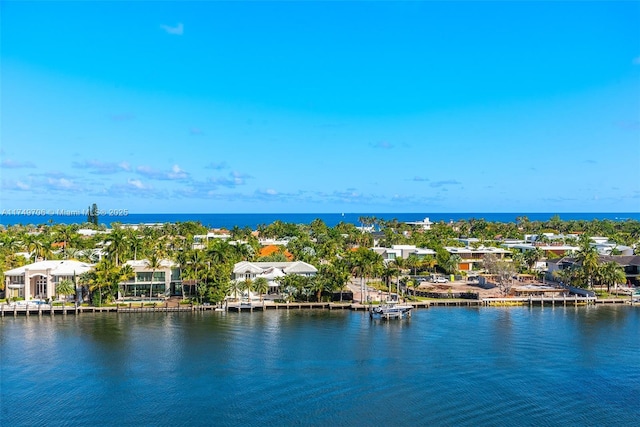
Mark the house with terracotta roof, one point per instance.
(274, 249)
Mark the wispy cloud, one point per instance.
(175, 174)
(136, 188)
(217, 166)
(233, 180)
(14, 164)
(382, 144)
(439, 184)
(419, 179)
(137, 184)
(178, 30)
(103, 168)
(60, 184)
(9, 185)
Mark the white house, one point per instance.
(40, 279)
(271, 271)
(403, 251)
(163, 280)
(425, 224)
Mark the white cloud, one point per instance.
(22, 186)
(60, 184)
(136, 183)
(178, 30)
(177, 173)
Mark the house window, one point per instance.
(41, 287)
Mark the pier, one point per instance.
(47, 310)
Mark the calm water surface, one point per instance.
(445, 366)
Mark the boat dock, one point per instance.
(41, 309)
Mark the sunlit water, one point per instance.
(445, 366)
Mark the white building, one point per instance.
(163, 280)
(271, 271)
(403, 251)
(425, 224)
(39, 280)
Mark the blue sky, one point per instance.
(333, 106)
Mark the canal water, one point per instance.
(535, 366)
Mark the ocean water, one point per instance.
(520, 366)
(331, 219)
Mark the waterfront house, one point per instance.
(629, 263)
(471, 257)
(163, 280)
(271, 271)
(39, 279)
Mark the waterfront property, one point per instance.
(271, 271)
(39, 280)
(471, 256)
(630, 265)
(162, 280)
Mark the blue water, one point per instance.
(444, 366)
(331, 219)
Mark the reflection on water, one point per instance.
(452, 366)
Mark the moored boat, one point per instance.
(391, 310)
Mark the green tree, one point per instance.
(612, 274)
(261, 285)
(66, 287)
(587, 258)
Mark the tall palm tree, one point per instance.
(154, 262)
(116, 244)
(612, 274)
(587, 257)
(235, 286)
(247, 285)
(261, 285)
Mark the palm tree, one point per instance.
(235, 287)
(108, 275)
(365, 263)
(117, 244)
(247, 285)
(65, 287)
(587, 257)
(154, 262)
(612, 274)
(452, 264)
(261, 285)
(531, 257)
(66, 234)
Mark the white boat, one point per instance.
(391, 310)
